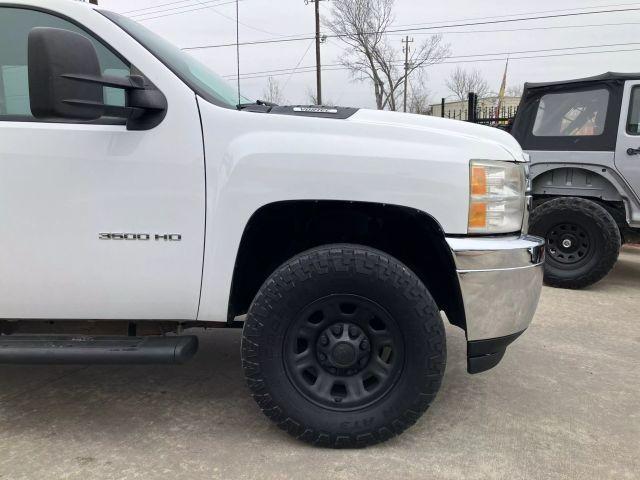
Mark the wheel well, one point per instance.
(279, 231)
(575, 182)
(580, 183)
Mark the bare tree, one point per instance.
(515, 91)
(419, 96)
(461, 82)
(273, 92)
(362, 25)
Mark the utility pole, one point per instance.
(319, 40)
(406, 48)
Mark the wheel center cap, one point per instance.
(344, 355)
(567, 243)
(343, 349)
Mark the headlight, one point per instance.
(497, 197)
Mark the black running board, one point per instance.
(84, 350)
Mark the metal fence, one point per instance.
(485, 115)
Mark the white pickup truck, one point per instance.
(138, 200)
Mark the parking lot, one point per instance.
(564, 403)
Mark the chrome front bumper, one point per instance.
(500, 282)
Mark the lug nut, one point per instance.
(353, 331)
(337, 330)
(364, 345)
(322, 356)
(324, 340)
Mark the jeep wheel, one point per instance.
(343, 346)
(583, 241)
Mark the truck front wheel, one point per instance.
(583, 241)
(343, 346)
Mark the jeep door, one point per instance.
(628, 146)
(81, 203)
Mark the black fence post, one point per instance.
(442, 104)
(472, 105)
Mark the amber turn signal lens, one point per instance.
(478, 180)
(478, 215)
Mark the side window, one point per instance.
(572, 114)
(633, 123)
(15, 25)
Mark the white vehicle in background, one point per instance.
(139, 200)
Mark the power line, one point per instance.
(517, 52)
(298, 66)
(285, 71)
(545, 56)
(400, 25)
(155, 6)
(490, 22)
(528, 29)
(493, 22)
(187, 11)
(523, 13)
(260, 42)
(236, 21)
(205, 3)
(463, 61)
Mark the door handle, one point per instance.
(633, 151)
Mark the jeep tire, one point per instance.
(343, 346)
(583, 241)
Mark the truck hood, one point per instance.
(455, 131)
(442, 126)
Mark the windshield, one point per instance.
(196, 75)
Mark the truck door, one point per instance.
(628, 146)
(97, 222)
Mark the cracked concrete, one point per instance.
(563, 404)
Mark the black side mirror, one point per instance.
(65, 82)
(52, 54)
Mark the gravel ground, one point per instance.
(563, 404)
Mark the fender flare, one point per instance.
(594, 181)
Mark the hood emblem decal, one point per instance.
(332, 111)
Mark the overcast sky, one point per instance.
(266, 19)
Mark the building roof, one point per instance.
(492, 98)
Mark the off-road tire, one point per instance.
(591, 219)
(325, 272)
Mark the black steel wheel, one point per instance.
(343, 346)
(569, 243)
(344, 352)
(583, 241)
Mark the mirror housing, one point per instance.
(65, 83)
(52, 53)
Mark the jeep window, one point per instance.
(196, 75)
(15, 25)
(633, 124)
(572, 114)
